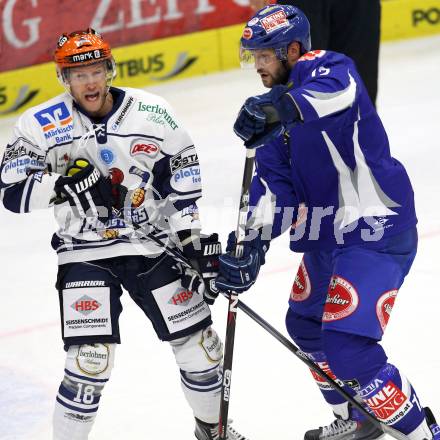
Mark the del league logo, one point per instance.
(142, 146)
(384, 307)
(342, 300)
(301, 288)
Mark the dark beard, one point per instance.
(282, 75)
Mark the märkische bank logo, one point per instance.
(53, 116)
(85, 305)
(55, 121)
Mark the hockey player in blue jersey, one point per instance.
(108, 161)
(326, 173)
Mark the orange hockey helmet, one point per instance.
(81, 48)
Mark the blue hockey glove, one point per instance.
(284, 105)
(251, 119)
(87, 190)
(266, 116)
(252, 123)
(239, 274)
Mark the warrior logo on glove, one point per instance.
(87, 191)
(204, 259)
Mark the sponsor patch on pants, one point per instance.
(93, 359)
(342, 300)
(301, 287)
(389, 404)
(86, 312)
(180, 307)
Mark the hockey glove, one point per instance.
(284, 105)
(266, 116)
(239, 274)
(86, 190)
(203, 256)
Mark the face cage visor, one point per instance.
(64, 74)
(261, 58)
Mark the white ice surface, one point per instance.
(273, 396)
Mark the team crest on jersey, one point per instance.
(384, 307)
(342, 300)
(301, 288)
(312, 55)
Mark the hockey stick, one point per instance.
(272, 119)
(233, 298)
(338, 386)
(235, 303)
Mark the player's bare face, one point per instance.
(269, 67)
(88, 85)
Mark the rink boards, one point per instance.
(192, 54)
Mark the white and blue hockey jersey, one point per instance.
(140, 144)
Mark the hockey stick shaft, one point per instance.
(338, 387)
(233, 298)
(237, 304)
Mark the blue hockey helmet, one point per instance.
(275, 27)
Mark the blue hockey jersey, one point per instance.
(331, 178)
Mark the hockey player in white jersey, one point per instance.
(116, 165)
